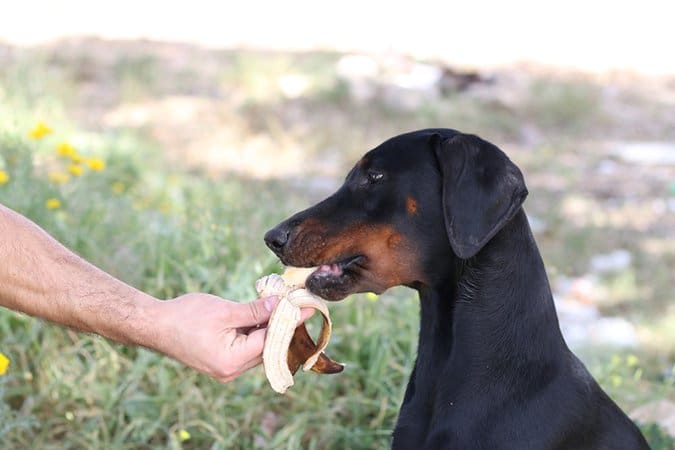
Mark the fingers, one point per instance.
(306, 313)
(251, 345)
(252, 363)
(253, 313)
(244, 368)
(248, 349)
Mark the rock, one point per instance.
(584, 329)
(359, 72)
(357, 67)
(293, 85)
(417, 76)
(614, 332)
(608, 167)
(400, 80)
(584, 289)
(647, 153)
(572, 311)
(452, 80)
(661, 412)
(580, 320)
(611, 262)
(575, 318)
(537, 225)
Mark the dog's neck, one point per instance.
(476, 321)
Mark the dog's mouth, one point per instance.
(336, 280)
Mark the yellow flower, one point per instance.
(65, 149)
(58, 177)
(165, 207)
(372, 296)
(4, 177)
(40, 130)
(616, 380)
(53, 203)
(117, 187)
(77, 159)
(4, 364)
(632, 360)
(96, 164)
(75, 170)
(183, 435)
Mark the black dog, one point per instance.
(440, 211)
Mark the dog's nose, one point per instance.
(276, 238)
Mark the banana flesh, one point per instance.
(287, 345)
(296, 276)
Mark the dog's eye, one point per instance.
(374, 177)
(369, 178)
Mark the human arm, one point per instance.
(40, 277)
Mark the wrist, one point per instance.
(128, 318)
(147, 329)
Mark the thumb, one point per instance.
(253, 313)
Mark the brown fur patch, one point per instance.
(394, 240)
(390, 260)
(411, 205)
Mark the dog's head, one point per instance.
(414, 201)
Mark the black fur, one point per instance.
(492, 369)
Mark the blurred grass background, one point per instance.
(204, 150)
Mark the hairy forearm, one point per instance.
(40, 277)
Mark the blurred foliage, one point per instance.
(163, 219)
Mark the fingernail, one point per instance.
(270, 302)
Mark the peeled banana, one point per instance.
(287, 345)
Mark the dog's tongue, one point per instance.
(331, 269)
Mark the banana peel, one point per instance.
(288, 346)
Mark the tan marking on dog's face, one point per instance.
(411, 205)
(390, 259)
(394, 240)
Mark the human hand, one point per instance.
(217, 337)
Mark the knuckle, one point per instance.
(225, 374)
(255, 311)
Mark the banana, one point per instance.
(288, 346)
(296, 276)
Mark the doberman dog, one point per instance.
(441, 212)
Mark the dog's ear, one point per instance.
(482, 190)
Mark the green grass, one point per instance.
(169, 233)
(168, 229)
